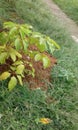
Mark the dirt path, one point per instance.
(64, 19)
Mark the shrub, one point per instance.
(17, 43)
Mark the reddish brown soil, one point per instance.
(42, 76)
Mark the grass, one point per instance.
(70, 7)
(22, 108)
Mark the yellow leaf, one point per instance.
(18, 62)
(12, 83)
(45, 120)
(4, 75)
(18, 54)
(3, 57)
(20, 69)
(15, 52)
(13, 56)
(55, 44)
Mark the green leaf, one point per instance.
(51, 41)
(12, 83)
(20, 69)
(42, 45)
(26, 31)
(20, 79)
(22, 34)
(4, 75)
(13, 31)
(50, 47)
(2, 47)
(18, 45)
(25, 45)
(46, 62)
(13, 68)
(38, 57)
(9, 25)
(37, 35)
(55, 44)
(3, 38)
(33, 40)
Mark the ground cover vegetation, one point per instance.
(23, 108)
(69, 7)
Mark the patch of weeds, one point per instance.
(22, 107)
(62, 74)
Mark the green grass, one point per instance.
(22, 107)
(70, 7)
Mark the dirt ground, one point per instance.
(68, 23)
